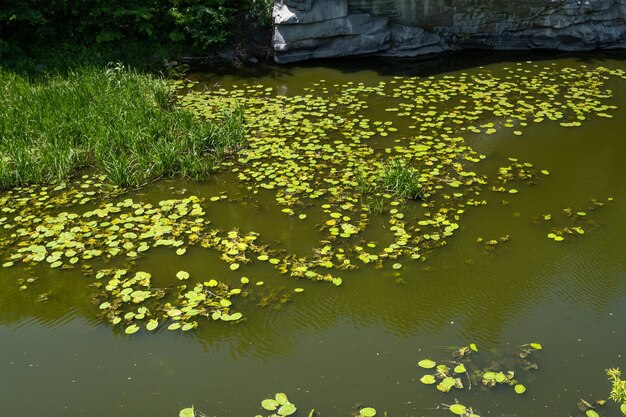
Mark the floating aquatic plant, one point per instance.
(367, 412)
(187, 412)
(461, 410)
(280, 404)
(462, 372)
(129, 300)
(324, 149)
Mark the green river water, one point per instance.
(333, 347)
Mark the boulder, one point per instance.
(307, 29)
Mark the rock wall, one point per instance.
(307, 29)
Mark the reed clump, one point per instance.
(400, 178)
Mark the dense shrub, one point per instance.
(27, 24)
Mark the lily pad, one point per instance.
(152, 324)
(287, 409)
(367, 412)
(270, 404)
(458, 409)
(187, 412)
(489, 376)
(133, 328)
(520, 389)
(281, 398)
(426, 364)
(428, 379)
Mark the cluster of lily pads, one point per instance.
(579, 221)
(45, 225)
(460, 372)
(63, 238)
(280, 406)
(131, 301)
(325, 148)
(47, 233)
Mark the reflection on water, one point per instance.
(363, 339)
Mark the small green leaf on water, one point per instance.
(182, 275)
(397, 266)
(287, 409)
(234, 267)
(473, 347)
(592, 413)
(623, 408)
(367, 412)
(299, 290)
(187, 412)
(489, 375)
(426, 364)
(105, 305)
(458, 409)
(500, 377)
(269, 404)
(173, 326)
(459, 369)
(520, 389)
(545, 172)
(512, 191)
(244, 280)
(152, 324)
(447, 383)
(281, 398)
(581, 213)
(131, 329)
(535, 345)
(181, 251)
(428, 379)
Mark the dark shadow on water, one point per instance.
(421, 66)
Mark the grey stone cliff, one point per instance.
(306, 29)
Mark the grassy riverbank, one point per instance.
(122, 123)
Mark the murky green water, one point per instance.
(329, 347)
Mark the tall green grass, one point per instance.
(400, 178)
(124, 124)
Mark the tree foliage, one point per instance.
(198, 23)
